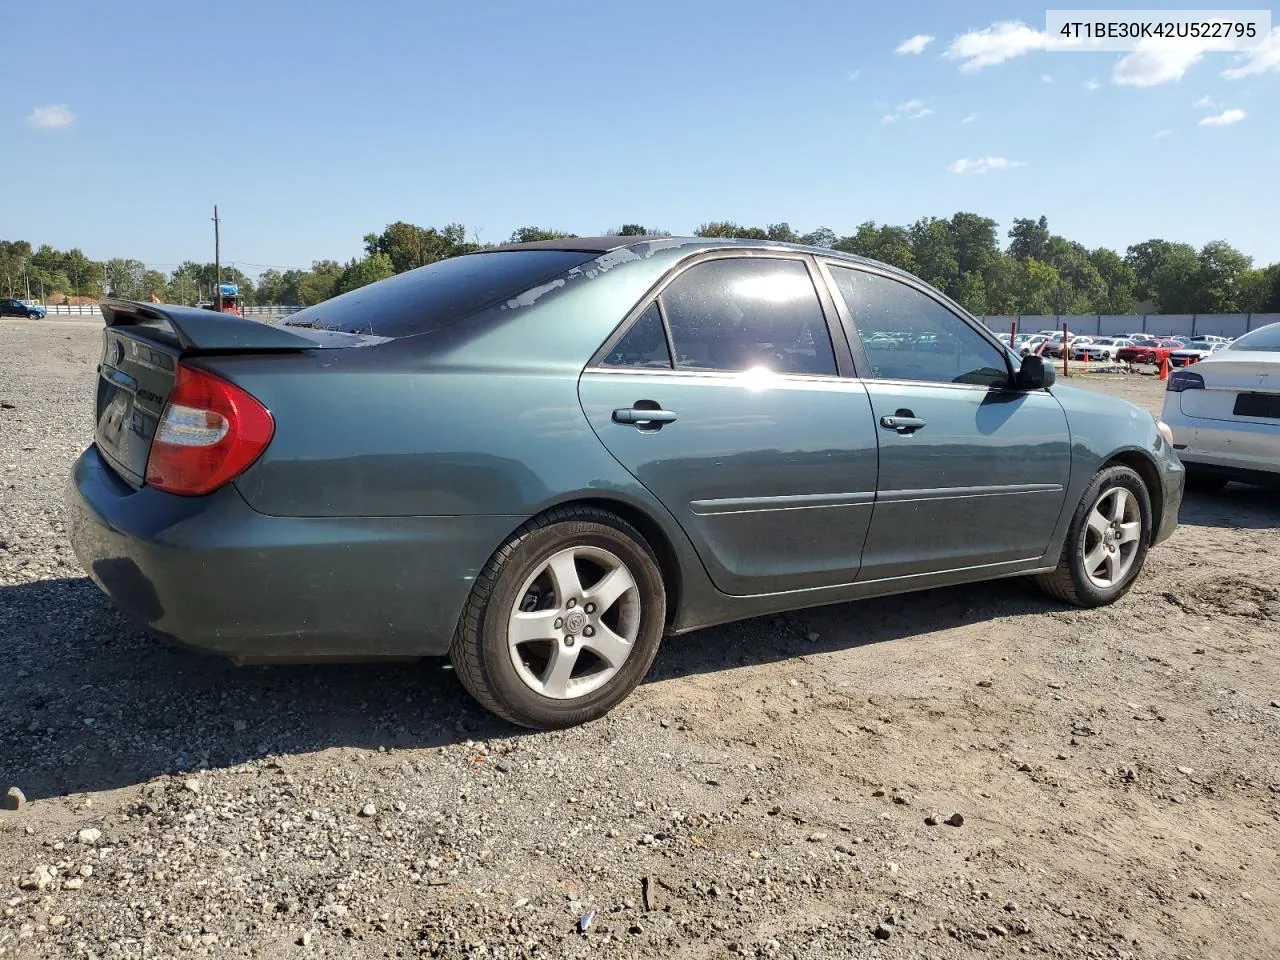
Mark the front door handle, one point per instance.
(643, 417)
(902, 423)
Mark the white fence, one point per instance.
(1153, 324)
(91, 310)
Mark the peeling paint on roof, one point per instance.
(530, 297)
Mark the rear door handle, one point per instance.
(640, 416)
(903, 424)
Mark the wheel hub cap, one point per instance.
(580, 627)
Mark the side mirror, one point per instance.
(1036, 373)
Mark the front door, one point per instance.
(748, 435)
(972, 471)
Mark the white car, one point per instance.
(1102, 348)
(1225, 413)
(1194, 352)
(1027, 343)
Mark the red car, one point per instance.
(1149, 351)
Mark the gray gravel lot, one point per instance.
(777, 788)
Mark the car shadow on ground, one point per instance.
(92, 704)
(1237, 505)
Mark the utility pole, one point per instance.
(217, 260)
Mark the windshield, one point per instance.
(1264, 338)
(437, 295)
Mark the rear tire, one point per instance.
(573, 581)
(1198, 482)
(1106, 543)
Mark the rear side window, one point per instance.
(439, 294)
(644, 345)
(1264, 338)
(746, 312)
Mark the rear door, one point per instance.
(750, 436)
(972, 471)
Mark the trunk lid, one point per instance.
(141, 348)
(1227, 378)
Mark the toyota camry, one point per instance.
(542, 459)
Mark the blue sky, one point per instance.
(311, 124)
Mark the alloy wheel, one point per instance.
(574, 622)
(1112, 536)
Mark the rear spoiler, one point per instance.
(206, 330)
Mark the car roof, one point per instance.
(608, 244)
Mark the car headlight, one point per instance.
(1165, 431)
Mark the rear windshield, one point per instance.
(1264, 338)
(439, 294)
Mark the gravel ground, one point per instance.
(783, 787)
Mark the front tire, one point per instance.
(563, 621)
(1106, 543)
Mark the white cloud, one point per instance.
(1156, 61)
(1092, 84)
(997, 43)
(983, 164)
(1161, 134)
(1266, 59)
(1225, 118)
(854, 75)
(1046, 78)
(915, 44)
(52, 117)
(908, 110)
(970, 118)
(1204, 103)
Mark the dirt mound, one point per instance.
(1232, 596)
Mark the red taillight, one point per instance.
(210, 433)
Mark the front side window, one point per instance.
(909, 336)
(744, 313)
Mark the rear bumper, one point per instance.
(211, 573)
(1242, 447)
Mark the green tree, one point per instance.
(933, 247)
(533, 234)
(1119, 280)
(360, 273)
(1165, 274)
(1221, 270)
(1038, 286)
(729, 229)
(317, 284)
(976, 245)
(820, 237)
(1260, 290)
(971, 293)
(270, 286)
(409, 246)
(1029, 239)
